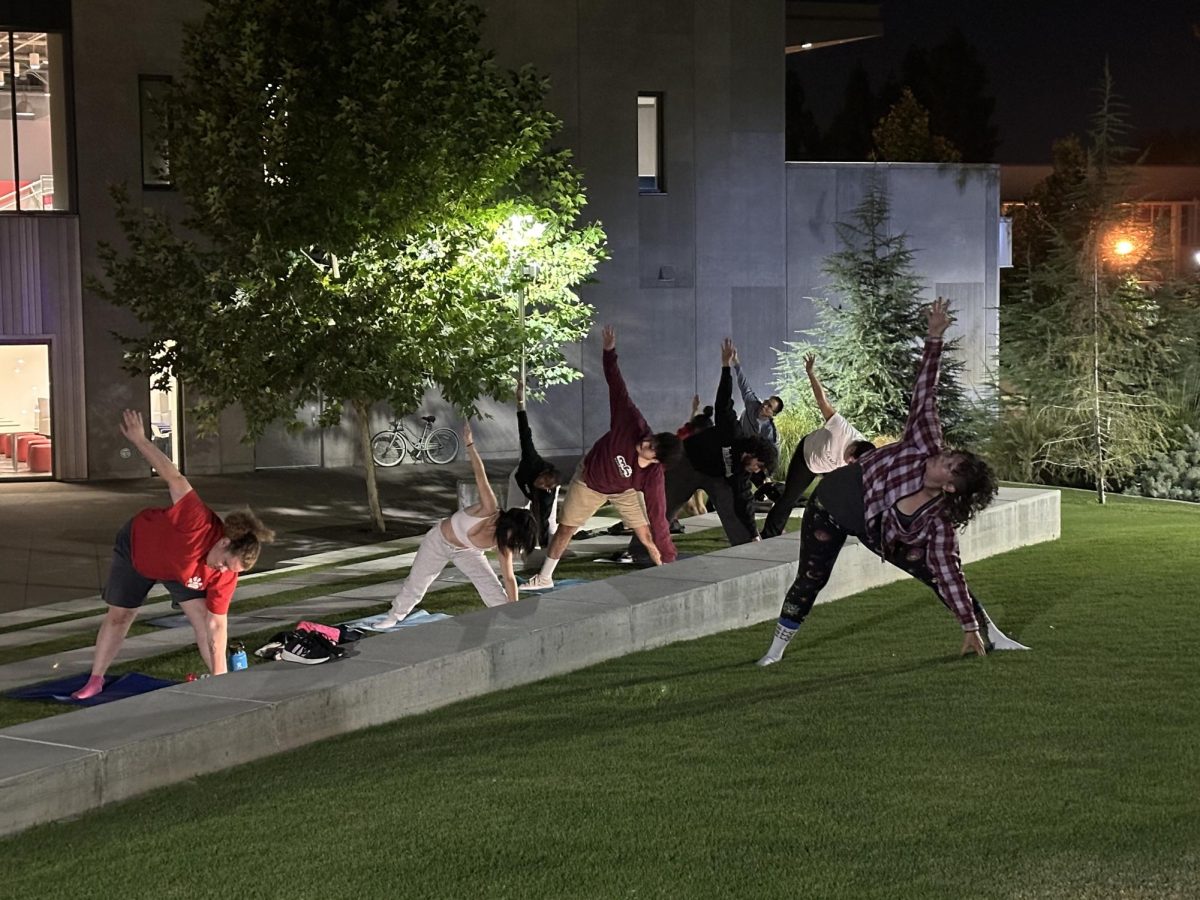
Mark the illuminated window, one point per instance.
(650, 144)
(34, 160)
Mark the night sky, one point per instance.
(1043, 59)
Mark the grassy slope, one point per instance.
(870, 763)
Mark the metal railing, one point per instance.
(29, 197)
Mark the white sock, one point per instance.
(548, 567)
(783, 634)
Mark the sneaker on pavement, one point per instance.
(538, 582)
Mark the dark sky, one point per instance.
(1044, 60)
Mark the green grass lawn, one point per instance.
(871, 763)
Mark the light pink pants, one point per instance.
(433, 554)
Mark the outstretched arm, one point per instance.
(827, 410)
(749, 399)
(623, 415)
(487, 497)
(528, 451)
(134, 430)
(923, 427)
(724, 415)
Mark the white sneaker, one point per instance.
(538, 582)
(1001, 641)
(768, 660)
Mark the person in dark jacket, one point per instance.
(533, 484)
(721, 461)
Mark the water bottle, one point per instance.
(237, 657)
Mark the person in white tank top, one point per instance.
(462, 538)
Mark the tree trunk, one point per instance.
(1097, 432)
(363, 411)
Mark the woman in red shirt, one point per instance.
(186, 546)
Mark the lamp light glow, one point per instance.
(1123, 247)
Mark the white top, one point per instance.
(461, 524)
(825, 448)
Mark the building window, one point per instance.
(650, 144)
(26, 432)
(156, 167)
(34, 160)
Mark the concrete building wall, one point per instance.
(951, 217)
(115, 41)
(733, 246)
(703, 259)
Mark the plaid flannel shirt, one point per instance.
(897, 471)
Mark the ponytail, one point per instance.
(246, 534)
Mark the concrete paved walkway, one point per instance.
(56, 538)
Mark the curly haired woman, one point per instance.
(905, 503)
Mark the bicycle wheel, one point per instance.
(387, 449)
(442, 446)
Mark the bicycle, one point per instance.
(439, 446)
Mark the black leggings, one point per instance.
(799, 477)
(821, 540)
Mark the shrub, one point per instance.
(1175, 474)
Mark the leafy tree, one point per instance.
(353, 171)
(903, 135)
(1088, 328)
(869, 344)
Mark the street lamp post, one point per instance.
(518, 233)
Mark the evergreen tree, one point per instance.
(951, 82)
(1090, 330)
(869, 343)
(903, 135)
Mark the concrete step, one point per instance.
(64, 765)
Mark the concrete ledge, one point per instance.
(62, 766)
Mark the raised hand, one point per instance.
(728, 352)
(520, 390)
(610, 338)
(810, 363)
(133, 427)
(938, 316)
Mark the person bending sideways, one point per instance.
(187, 546)
(462, 539)
(830, 447)
(721, 461)
(624, 468)
(904, 502)
(533, 484)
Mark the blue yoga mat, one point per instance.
(116, 687)
(416, 617)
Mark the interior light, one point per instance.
(24, 110)
(35, 60)
(1196, 257)
(807, 45)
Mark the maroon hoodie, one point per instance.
(611, 466)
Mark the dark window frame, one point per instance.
(659, 185)
(168, 184)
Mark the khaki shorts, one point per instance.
(582, 502)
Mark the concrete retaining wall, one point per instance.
(62, 766)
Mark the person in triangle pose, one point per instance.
(904, 502)
(720, 460)
(461, 538)
(189, 548)
(819, 452)
(533, 484)
(624, 468)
